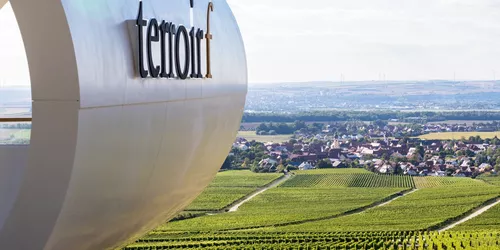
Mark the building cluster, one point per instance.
(411, 156)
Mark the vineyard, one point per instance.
(217, 198)
(326, 240)
(282, 206)
(421, 210)
(335, 209)
(228, 187)
(489, 220)
(334, 171)
(433, 182)
(492, 180)
(242, 179)
(350, 180)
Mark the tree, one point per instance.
(442, 154)
(245, 163)
(398, 170)
(421, 151)
(325, 163)
(355, 164)
(280, 168)
(495, 141)
(227, 163)
(414, 159)
(497, 168)
(478, 139)
(385, 157)
(369, 166)
(480, 159)
(299, 125)
(262, 127)
(380, 123)
(469, 153)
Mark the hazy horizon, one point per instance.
(363, 40)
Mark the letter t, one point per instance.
(140, 24)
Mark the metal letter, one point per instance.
(209, 37)
(193, 53)
(165, 29)
(153, 27)
(141, 23)
(199, 37)
(182, 73)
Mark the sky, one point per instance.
(321, 40)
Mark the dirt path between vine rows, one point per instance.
(275, 183)
(471, 216)
(397, 197)
(383, 202)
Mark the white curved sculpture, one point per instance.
(112, 154)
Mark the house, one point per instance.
(306, 166)
(268, 163)
(412, 172)
(385, 169)
(483, 167)
(459, 174)
(438, 174)
(337, 164)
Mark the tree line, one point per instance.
(328, 116)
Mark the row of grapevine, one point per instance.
(420, 210)
(493, 180)
(278, 206)
(355, 240)
(433, 182)
(350, 180)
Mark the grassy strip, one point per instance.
(447, 222)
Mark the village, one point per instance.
(377, 147)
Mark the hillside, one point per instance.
(326, 209)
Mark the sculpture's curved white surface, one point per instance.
(113, 155)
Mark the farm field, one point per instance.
(308, 240)
(493, 180)
(217, 198)
(6, 133)
(334, 171)
(242, 178)
(349, 180)
(489, 220)
(458, 135)
(421, 210)
(10, 136)
(458, 122)
(286, 205)
(251, 136)
(334, 209)
(433, 182)
(228, 187)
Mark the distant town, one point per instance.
(387, 127)
(437, 95)
(379, 146)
